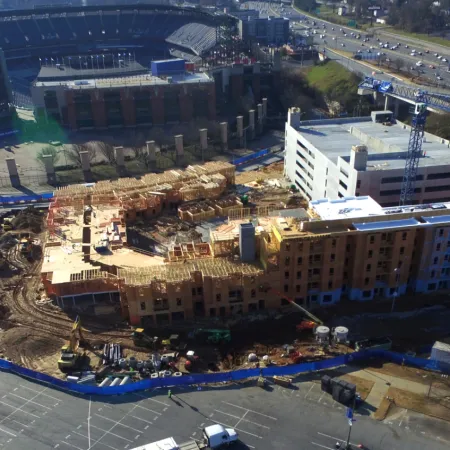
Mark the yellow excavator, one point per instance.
(70, 354)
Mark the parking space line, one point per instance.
(335, 438)
(30, 401)
(143, 420)
(242, 431)
(20, 423)
(89, 421)
(101, 443)
(149, 398)
(148, 409)
(108, 432)
(17, 409)
(71, 445)
(241, 419)
(249, 410)
(310, 389)
(41, 393)
(118, 423)
(320, 445)
(8, 432)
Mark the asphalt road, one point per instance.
(32, 416)
(340, 38)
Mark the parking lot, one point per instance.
(32, 416)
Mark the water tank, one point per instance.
(322, 333)
(340, 334)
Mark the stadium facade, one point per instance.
(6, 110)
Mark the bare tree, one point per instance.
(141, 155)
(73, 153)
(107, 150)
(399, 64)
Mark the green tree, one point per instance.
(48, 150)
(439, 124)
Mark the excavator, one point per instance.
(70, 356)
(304, 324)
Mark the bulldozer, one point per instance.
(140, 339)
(70, 357)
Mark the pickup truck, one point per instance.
(214, 437)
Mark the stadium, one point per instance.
(77, 36)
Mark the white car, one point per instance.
(444, 59)
(419, 63)
(439, 57)
(413, 54)
(343, 45)
(438, 77)
(436, 54)
(406, 46)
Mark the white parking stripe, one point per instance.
(109, 432)
(71, 445)
(149, 398)
(320, 445)
(41, 393)
(241, 418)
(17, 410)
(30, 401)
(8, 432)
(335, 438)
(143, 420)
(255, 412)
(148, 409)
(101, 443)
(310, 389)
(118, 423)
(242, 431)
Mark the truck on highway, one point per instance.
(214, 437)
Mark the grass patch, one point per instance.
(328, 76)
(420, 36)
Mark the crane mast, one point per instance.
(414, 152)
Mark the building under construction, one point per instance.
(351, 247)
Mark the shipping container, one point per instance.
(168, 67)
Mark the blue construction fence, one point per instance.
(16, 199)
(251, 157)
(211, 378)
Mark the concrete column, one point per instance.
(151, 150)
(203, 138)
(86, 166)
(49, 168)
(260, 118)
(386, 102)
(120, 160)
(13, 173)
(240, 129)
(264, 103)
(396, 106)
(179, 147)
(224, 135)
(251, 120)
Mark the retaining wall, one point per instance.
(211, 378)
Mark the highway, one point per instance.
(341, 38)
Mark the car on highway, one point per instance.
(436, 54)
(431, 66)
(427, 51)
(444, 59)
(406, 46)
(438, 77)
(342, 45)
(419, 63)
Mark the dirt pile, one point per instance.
(29, 219)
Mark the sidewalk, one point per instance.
(382, 384)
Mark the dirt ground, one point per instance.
(272, 171)
(431, 406)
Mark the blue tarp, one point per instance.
(250, 157)
(26, 198)
(210, 378)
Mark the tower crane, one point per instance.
(304, 324)
(421, 100)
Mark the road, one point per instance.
(337, 37)
(32, 416)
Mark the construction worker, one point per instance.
(169, 393)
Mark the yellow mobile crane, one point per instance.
(70, 355)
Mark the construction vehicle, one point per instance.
(7, 224)
(70, 357)
(304, 324)
(212, 336)
(140, 338)
(213, 436)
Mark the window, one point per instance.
(199, 291)
(372, 239)
(344, 172)
(286, 288)
(404, 235)
(370, 254)
(330, 285)
(286, 274)
(346, 261)
(332, 257)
(316, 271)
(438, 247)
(316, 258)
(327, 298)
(438, 176)
(193, 291)
(347, 248)
(331, 271)
(178, 301)
(402, 250)
(142, 306)
(300, 247)
(288, 247)
(333, 243)
(435, 260)
(299, 275)
(287, 261)
(368, 267)
(358, 184)
(367, 294)
(383, 236)
(432, 274)
(441, 232)
(300, 260)
(253, 293)
(218, 297)
(297, 288)
(341, 183)
(437, 188)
